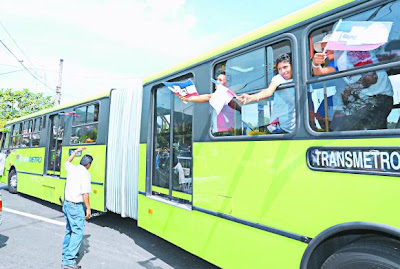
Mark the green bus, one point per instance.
(232, 190)
(35, 148)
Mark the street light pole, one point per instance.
(58, 89)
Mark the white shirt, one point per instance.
(181, 174)
(382, 86)
(284, 105)
(78, 182)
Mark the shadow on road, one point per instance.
(160, 248)
(84, 247)
(3, 240)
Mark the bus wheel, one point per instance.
(365, 255)
(12, 181)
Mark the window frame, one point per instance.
(86, 123)
(7, 142)
(19, 135)
(295, 83)
(309, 79)
(32, 131)
(167, 198)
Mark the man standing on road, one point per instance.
(77, 189)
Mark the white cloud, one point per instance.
(103, 43)
(153, 24)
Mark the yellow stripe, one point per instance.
(51, 172)
(182, 195)
(160, 190)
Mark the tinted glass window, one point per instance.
(364, 101)
(172, 163)
(35, 137)
(246, 72)
(80, 116)
(274, 115)
(25, 141)
(17, 129)
(84, 134)
(85, 125)
(162, 138)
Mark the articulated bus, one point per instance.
(230, 188)
(36, 147)
(39, 144)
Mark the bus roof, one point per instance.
(55, 108)
(282, 23)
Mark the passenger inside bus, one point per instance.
(283, 117)
(366, 99)
(225, 120)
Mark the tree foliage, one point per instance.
(14, 104)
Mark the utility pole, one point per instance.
(58, 89)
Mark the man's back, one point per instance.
(78, 182)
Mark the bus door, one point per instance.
(55, 144)
(172, 151)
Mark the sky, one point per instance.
(108, 44)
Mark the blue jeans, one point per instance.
(75, 223)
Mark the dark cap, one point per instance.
(87, 159)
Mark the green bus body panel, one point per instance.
(48, 188)
(225, 243)
(29, 160)
(268, 182)
(3, 179)
(284, 22)
(97, 171)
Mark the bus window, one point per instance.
(25, 127)
(80, 116)
(246, 72)
(172, 163)
(182, 153)
(92, 113)
(35, 134)
(36, 125)
(85, 124)
(25, 139)
(6, 137)
(162, 138)
(274, 115)
(16, 135)
(364, 101)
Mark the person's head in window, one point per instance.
(221, 78)
(320, 46)
(323, 60)
(284, 66)
(281, 120)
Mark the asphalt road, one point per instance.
(34, 241)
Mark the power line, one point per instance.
(40, 69)
(12, 72)
(52, 90)
(20, 49)
(83, 75)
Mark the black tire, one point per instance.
(366, 254)
(12, 181)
